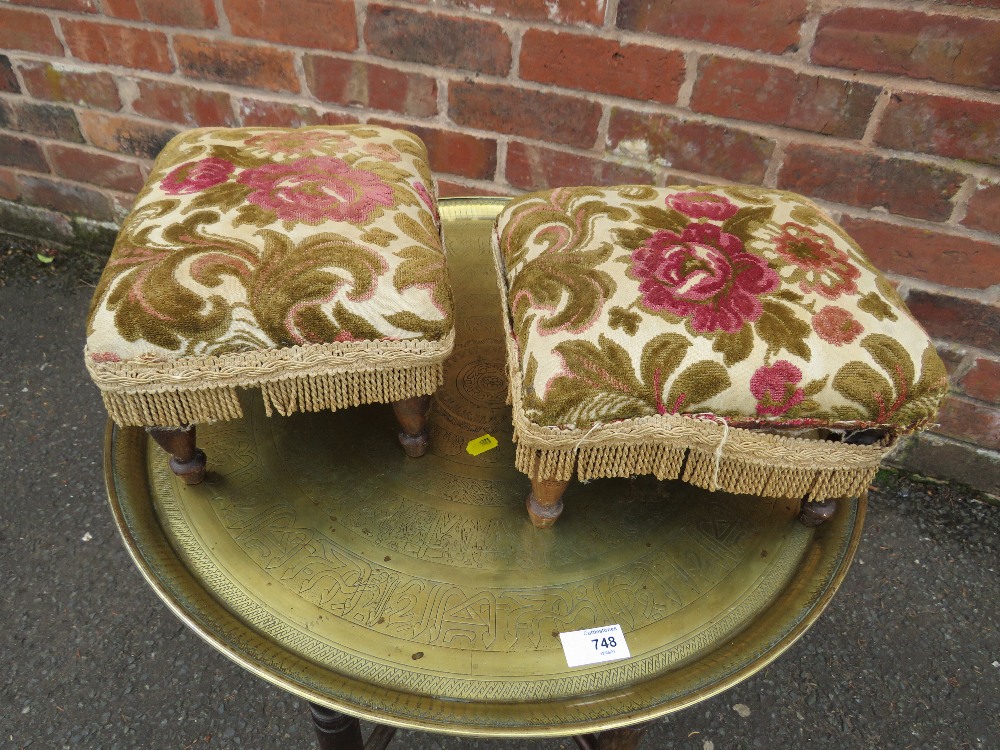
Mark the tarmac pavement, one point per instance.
(906, 656)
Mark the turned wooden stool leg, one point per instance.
(545, 501)
(816, 513)
(411, 414)
(336, 731)
(186, 460)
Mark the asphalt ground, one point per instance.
(906, 656)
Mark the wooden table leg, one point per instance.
(412, 416)
(187, 461)
(545, 501)
(815, 513)
(336, 731)
(625, 738)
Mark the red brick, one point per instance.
(956, 128)
(689, 145)
(27, 30)
(124, 135)
(566, 12)
(604, 66)
(319, 24)
(532, 114)
(24, 153)
(186, 105)
(780, 96)
(901, 186)
(957, 319)
(281, 114)
(450, 189)
(190, 14)
(983, 380)
(8, 81)
(925, 254)
(535, 167)
(47, 120)
(983, 211)
(9, 188)
(969, 421)
(234, 62)
(98, 169)
(946, 48)
(72, 6)
(56, 83)
(771, 26)
(433, 39)
(360, 84)
(112, 44)
(454, 153)
(66, 198)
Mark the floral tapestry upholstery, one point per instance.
(733, 336)
(308, 262)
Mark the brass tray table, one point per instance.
(416, 593)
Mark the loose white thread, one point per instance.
(576, 448)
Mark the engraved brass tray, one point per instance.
(417, 593)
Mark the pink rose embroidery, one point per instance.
(196, 176)
(810, 259)
(382, 151)
(297, 143)
(318, 189)
(836, 326)
(703, 275)
(702, 205)
(776, 388)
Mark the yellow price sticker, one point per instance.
(481, 445)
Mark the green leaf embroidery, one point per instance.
(735, 347)
(569, 283)
(619, 317)
(781, 328)
(660, 357)
(745, 222)
(877, 307)
(696, 385)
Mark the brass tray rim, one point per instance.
(152, 535)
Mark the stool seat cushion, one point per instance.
(308, 262)
(711, 331)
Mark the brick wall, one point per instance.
(886, 112)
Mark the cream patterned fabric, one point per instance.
(308, 262)
(709, 332)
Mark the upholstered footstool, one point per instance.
(732, 337)
(306, 263)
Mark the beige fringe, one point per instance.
(169, 408)
(342, 391)
(189, 390)
(740, 474)
(700, 450)
(311, 393)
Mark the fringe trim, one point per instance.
(172, 408)
(332, 392)
(703, 451)
(311, 393)
(192, 390)
(729, 473)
